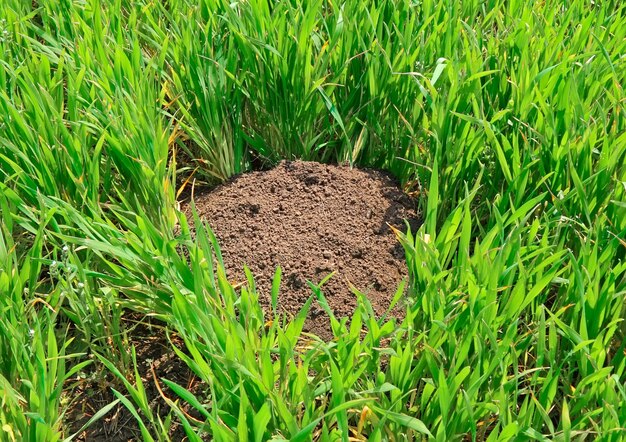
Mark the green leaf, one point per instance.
(404, 420)
(97, 416)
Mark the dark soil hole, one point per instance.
(313, 219)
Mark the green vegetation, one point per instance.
(506, 118)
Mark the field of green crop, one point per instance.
(506, 118)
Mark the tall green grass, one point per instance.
(505, 119)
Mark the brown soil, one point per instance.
(313, 219)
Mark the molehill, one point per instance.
(313, 219)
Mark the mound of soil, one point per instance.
(313, 219)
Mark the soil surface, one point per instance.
(155, 356)
(313, 219)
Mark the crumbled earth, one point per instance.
(313, 219)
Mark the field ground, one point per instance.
(506, 121)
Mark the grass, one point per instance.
(507, 119)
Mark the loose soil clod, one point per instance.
(313, 219)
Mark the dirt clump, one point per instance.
(313, 219)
